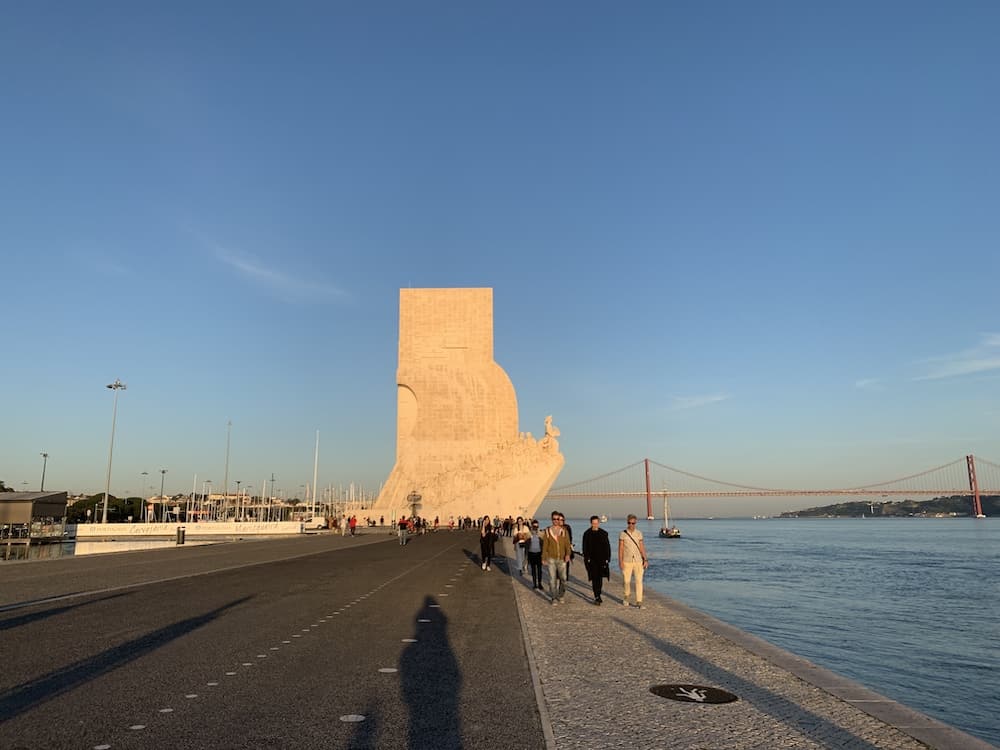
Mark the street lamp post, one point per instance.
(163, 475)
(143, 516)
(45, 460)
(117, 386)
(239, 500)
(225, 479)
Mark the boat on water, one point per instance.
(667, 531)
(604, 518)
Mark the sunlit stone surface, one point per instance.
(457, 440)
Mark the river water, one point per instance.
(908, 607)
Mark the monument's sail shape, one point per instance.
(457, 440)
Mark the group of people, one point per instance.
(552, 548)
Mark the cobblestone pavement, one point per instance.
(596, 666)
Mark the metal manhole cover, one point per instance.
(693, 694)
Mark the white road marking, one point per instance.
(409, 640)
(211, 684)
(352, 717)
(388, 670)
(189, 696)
(230, 674)
(137, 727)
(423, 619)
(102, 747)
(166, 710)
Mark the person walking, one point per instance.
(632, 559)
(556, 550)
(534, 554)
(487, 542)
(402, 526)
(596, 556)
(572, 553)
(521, 535)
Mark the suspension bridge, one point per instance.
(648, 478)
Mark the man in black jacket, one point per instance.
(596, 556)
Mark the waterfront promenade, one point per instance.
(288, 643)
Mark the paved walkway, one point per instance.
(594, 667)
(140, 645)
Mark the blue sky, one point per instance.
(756, 241)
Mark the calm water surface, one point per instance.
(907, 607)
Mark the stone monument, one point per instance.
(459, 451)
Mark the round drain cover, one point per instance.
(693, 693)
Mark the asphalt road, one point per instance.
(266, 645)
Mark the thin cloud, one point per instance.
(678, 403)
(869, 384)
(102, 264)
(982, 358)
(277, 282)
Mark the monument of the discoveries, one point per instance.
(458, 447)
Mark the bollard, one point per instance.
(180, 534)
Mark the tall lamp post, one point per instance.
(143, 515)
(45, 460)
(163, 475)
(225, 479)
(117, 386)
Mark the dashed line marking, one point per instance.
(137, 727)
(423, 619)
(352, 717)
(436, 606)
(297, 635)
(247, 663)
(230, 674)
(261, 656)
(409, 640)
(166, 710)
(286, 641)
(274, 648)
(189, 696)
(211, 684)
(102, 747)
(388, 670)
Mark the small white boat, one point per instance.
(668, 531)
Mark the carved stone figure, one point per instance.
(549, 442)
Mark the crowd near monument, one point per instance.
(459, 451)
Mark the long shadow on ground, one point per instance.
(21, 698)
(766, 701)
